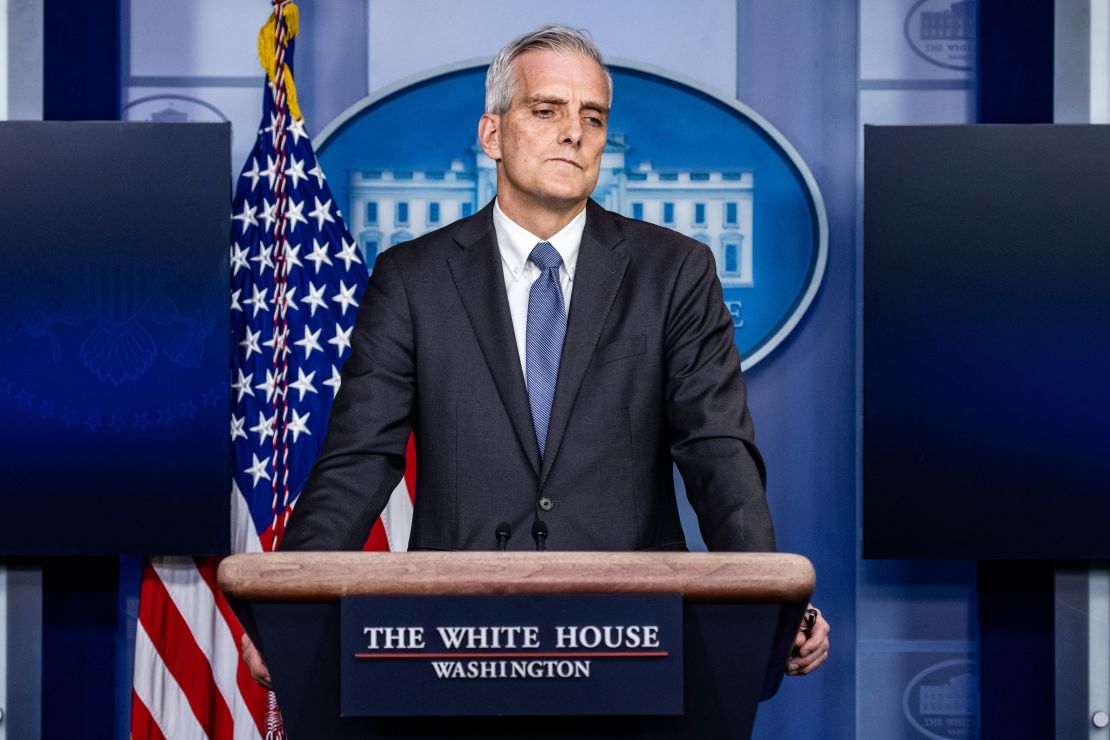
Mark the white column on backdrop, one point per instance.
(1081, 74)
(3, 91)
(1081, 94)
(21, 44)
(3, 615)
(1099, 87)
(1098, 651)
(21, 57)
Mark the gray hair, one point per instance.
(501, 80)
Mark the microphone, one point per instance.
(503, 533)
(539, 534)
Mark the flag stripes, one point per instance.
(189, 680)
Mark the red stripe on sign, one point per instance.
(491, 655)
(254, 695)
(182, 656)
(143, 726)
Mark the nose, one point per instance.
(571, 132)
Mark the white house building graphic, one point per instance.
(388, 207)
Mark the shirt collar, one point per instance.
(515, 242)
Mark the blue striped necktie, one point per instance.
(547, 325)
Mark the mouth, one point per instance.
(566, 161)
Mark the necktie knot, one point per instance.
(545, 256)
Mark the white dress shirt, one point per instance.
(516, 243)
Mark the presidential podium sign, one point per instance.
(510, 645)
(580, 654)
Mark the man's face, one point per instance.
(550, 141)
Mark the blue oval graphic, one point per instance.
(678, 155)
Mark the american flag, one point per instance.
(296, 280)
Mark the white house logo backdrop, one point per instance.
(407, 162)
(944, 32)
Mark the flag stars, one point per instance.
(242, 386)
(315, 298)
(342, 339)
(264, 428)
(258, 471)
(310, 342)
(322, 214)
(319, 255)
(238, 258)
(345, 297)
(270, 386)
(299, 425)
(278, 340)
(253, 173)
(319, 175)
(291, 258)
(247, 216)
(250, 344)
(271, 170)
(304, 383)
(257, 299)
(334, 381)
(269, 214)
(237, 423)
(296, 130)
(294, 214)
(349, 253)
(235, 305)
(286, 299)
(263, 258)
(296, 171)
(276, 117)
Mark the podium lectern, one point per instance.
(740, 615)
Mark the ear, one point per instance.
(489, 135)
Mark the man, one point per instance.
(552, 359)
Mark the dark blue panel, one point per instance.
(1016, 60)
(81, 60)
(79, 613)
(114, 312)
(986, 346)
(1017, 655)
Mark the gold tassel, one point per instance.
(267, 53)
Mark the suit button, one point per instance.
(546, 503)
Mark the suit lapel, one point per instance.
(597, 276)
(478, 276)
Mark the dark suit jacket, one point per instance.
(649, 374)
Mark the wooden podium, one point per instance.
(741, 613)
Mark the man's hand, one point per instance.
(255, 663)
(812, 650)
